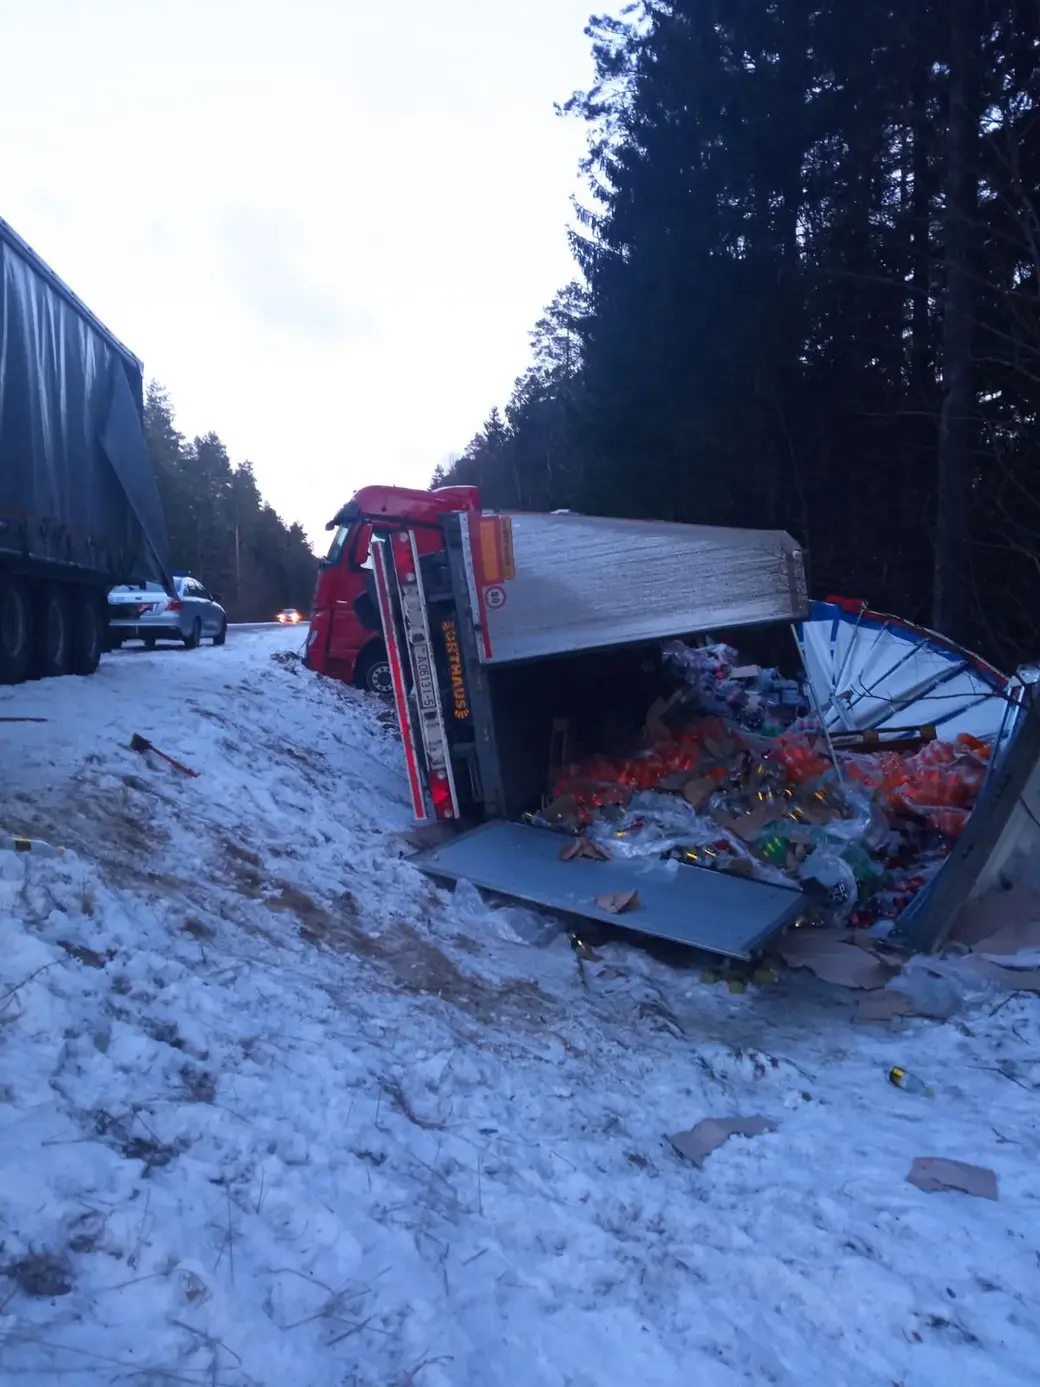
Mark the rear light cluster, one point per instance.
(175, 606)
(440, 793)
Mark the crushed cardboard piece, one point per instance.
(707, 1136)
(619, 902)
(722, 746)
(993, 912)
(428, 835)
(697, 790)
(1013, 979)
(657, 730)
(749, 827)
(819, 812)
(746, 672)
(936, 1173)
(562, 813)
(673, 783)
(1015, 937)
(586, 848)
(834, 960)
(883, 1006)
(872, 739)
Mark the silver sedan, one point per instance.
(148, 613)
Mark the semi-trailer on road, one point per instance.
(79, 507)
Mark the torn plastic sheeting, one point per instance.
(663, 823)
(868, 670)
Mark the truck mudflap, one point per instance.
(694, 906)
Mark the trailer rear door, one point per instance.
(695, 906)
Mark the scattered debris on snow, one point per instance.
(933, 1173)
(275, 1109)
(699, 1142)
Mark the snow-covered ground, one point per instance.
(274, 1110)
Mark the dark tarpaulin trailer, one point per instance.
(78, 497)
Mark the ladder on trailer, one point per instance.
(398, 572)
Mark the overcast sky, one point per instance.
(325, 225)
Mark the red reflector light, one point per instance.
(440, 793)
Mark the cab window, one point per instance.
(360, 547)
(339, 540)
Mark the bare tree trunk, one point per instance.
(950, 593)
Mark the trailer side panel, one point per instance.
(550, 584)
(78, 498)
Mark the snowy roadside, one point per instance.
(273, 1109)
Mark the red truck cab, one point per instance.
(346, 637)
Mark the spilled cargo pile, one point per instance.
(736, 773)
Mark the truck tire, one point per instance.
(373, 671)
(89, 635)
(54, 636)
(193, 641)
(16, 630)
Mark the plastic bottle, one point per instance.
(909, 1083)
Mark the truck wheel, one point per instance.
(88, 632)
(373, 672)
(193, 641)
(221, 637)
(55, 633)
(16, 630)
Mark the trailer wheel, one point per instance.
(16, 630)
(55, 634)
(88, 632)
(373, 672)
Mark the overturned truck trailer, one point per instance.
(525, 641)
(79, 507)
(523, 625)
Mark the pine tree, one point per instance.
(807, 298)
(220, 528)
